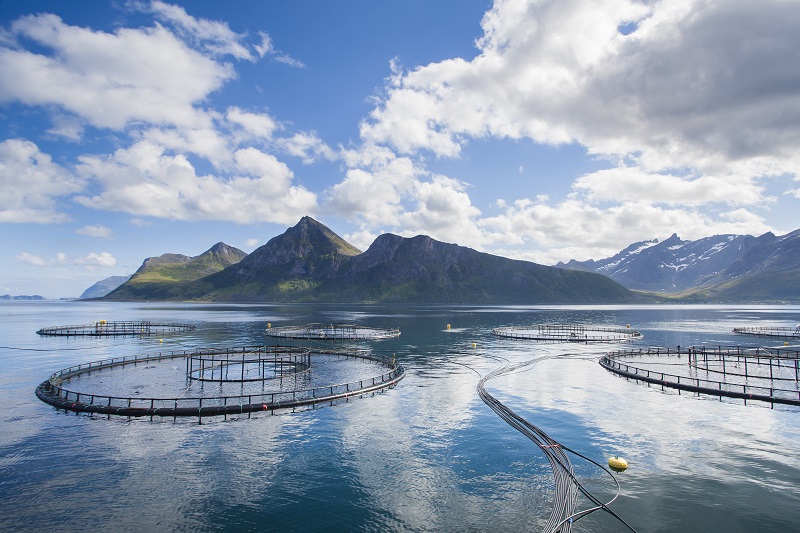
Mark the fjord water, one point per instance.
(427, 455)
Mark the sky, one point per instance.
(543, 130)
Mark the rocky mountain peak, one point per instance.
(221, 253)
(305, 248)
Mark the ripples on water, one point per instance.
(425, 456)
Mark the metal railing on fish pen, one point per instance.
(53, 391)
(782, 364)
(103, 328)
(745, 385)
(568, 333)
(332, 332)
(770, 332)
(243, 366)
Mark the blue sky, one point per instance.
(543, 130)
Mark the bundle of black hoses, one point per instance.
(567, 485)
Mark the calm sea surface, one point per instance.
(427, 455)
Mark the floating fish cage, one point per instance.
(218, 382)
(769, 375)
(103, 328)
(770, 332)
(568, 333)
(332, 332)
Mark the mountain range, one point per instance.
(721, 268)
(310, 263)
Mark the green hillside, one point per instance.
(164, 277)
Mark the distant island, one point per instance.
(22, 297)
(103, 287)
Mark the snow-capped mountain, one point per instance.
(678, 266)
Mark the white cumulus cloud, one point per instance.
(695, 106)
(31, 259)
(213, 36)
(307, 146)
(152, 86)
(109, 79)
(258, 125)
(144, 180)
(97, 230)
(93, 260)
(32, 183)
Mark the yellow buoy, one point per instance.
(448, 326)
(160, 340)
(618, 463)
(474, 344)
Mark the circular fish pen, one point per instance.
(103, 328)
(235, 367)
(769, 375)
(332, 332)
(770, 332)
(568, 333)
(218, 382)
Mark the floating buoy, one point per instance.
(618, 463)
(160, 340)
(474, 345)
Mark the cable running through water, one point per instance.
(567, 486)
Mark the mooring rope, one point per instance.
(567, 486)
(565, 491)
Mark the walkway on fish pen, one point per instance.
(332, 332)
(272, 365)
(103, 328)
(769, 375)
(568, 333)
